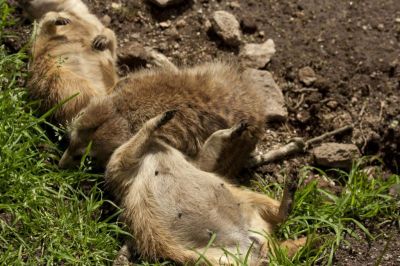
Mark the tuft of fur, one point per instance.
(174, 209)
(209, 97)
(72, 54)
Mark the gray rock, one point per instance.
(135, 56)
(274, 100)
(164, 3)
(336, 155)
(307, 75)
(257, 55)
(227, 27)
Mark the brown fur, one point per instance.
(36, 9)
(173, 208)
(71, 54)
(209, 97)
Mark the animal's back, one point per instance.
(209, 97)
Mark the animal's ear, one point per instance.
(99, 110)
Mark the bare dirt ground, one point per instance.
(353, 46)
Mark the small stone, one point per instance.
(397, 20)
(274, 100)
(332, 104)
(381, 27)
(261, 34)
(165, 24)
(234, 4)
(303, 116)
(336, 155)
(257, 55)
(227, 27)
(135, 56)
(394, 190)
(164, 3)
(307, 75)
(106, 20)
(116, 6)
(181, 23)
(248, 25)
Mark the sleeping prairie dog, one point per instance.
(174, 209)
(209, 97)
(71, 56)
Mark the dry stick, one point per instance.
(295, 146)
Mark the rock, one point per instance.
(332, 104)
(274, 100)
(257, 55)
(116, 6)
(106, 20)
(336, 155)
(226, 27)
(307, 75)
(303, 116)
(165, 24)
(181, 23)
(164, 3)
(135, 56)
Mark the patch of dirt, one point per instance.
(384, 250)
(352, 46)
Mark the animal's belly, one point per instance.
(195, 205)
(99, 71)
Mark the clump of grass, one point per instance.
(45, 215)
(326, 218)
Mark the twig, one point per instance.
(328, 134)
(305, 90)
(381, 110)
(300, 102)
(297, 145)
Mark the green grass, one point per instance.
(48, 216)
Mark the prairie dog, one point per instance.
(209, 97)
(71, 55)
(174, 209)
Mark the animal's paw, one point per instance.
(100, 43)
(60, 21)
(165, 117)
(238, 129)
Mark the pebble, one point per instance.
(227, 27)
(307, 75)
(106, 20)
(135, 56)
(274, 100)
(116, 6)
(336, 155)
(332, 104)
(165, 24)
(257, 55)
(181, 23)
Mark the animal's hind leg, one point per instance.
(292, 246)
(271, 210)
(226, 150)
